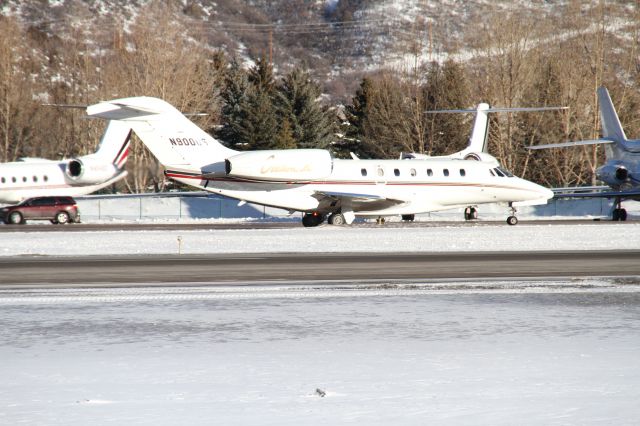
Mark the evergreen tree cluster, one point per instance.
(386, 115)
(262, 112)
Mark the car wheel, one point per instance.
(62, 218)
(16, 218)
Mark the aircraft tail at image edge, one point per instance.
(611, 127)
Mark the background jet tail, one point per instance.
(114, 145)
(479, 135)
(611, 127)
(480, 132)
(171, 137)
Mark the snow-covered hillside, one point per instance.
(336, 38)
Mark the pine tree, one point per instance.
(312, 125)
(285, 139)
(236, 104)
(261, 76)
(259, 124)
(352, 128)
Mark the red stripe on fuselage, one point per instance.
(418, 184)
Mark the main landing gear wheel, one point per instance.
(380, 220)
(470, 213)
(336, 219)
(310, 220)
(619, 215)
(408, 217)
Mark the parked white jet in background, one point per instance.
(310, 181)
(34, 177)
(621, 171)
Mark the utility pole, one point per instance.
(271, 46)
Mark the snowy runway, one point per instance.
(498, 353)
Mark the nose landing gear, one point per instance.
(512, 219)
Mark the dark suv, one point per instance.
(56, 209)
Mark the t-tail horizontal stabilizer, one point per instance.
(479, 135)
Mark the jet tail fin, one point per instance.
(114, 144)
(611, 127)
(480, 132)
(170, 136)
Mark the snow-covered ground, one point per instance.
(358, 238)
(503, 353)
(288, 356)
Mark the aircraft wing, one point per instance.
(577, 193)
(356, 197)
(568, 144)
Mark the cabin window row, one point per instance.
(23, 179)
(412, 172)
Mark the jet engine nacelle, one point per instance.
(88, 170)
(282, 165)
(613, 174)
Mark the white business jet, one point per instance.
(35, 177)
(311, 181)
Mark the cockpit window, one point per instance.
(504, 172)
(499, 172)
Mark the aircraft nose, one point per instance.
(545, 192)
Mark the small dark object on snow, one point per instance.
(320, 392)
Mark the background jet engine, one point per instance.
(281, 165)
(88, 170)
(613, 175)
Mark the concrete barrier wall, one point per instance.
(132, 207)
